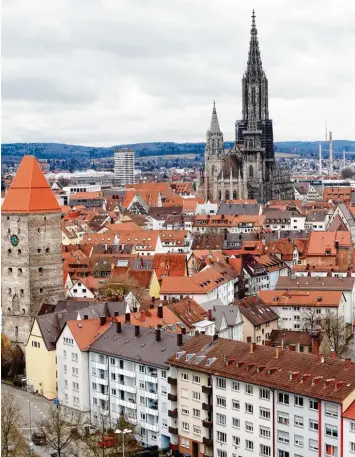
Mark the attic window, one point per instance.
(210, 361)
(180, 354)
(200, 358)
(189, 356)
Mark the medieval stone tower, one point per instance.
(31, 261)
(248, 169)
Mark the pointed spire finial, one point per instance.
(214, 127)
(253, 19)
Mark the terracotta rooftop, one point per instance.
(323, 243)
(350, 412)
(322, 378)
(30, 191)
(301, 298)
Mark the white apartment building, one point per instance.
(128, 375)
(263, 401)
(284, 220)
(124, 166)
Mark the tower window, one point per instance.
(39, 250)
(10, 290)
(39, 230)
(21, 291)
(40, 270)
(9, 251)
(41, 290)
(47, 250)
(251, 171)
(9, 310)
(9, 270)
(19, 251)
(8, 231)
(23, 310)
(45, 218)
(8, 218)
(20, 271)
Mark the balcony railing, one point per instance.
(173, 413)
(207, 390)
(208, 424)
(172, 397)
(207, 441)
(172, 381)
(207, 407)
(173, 431)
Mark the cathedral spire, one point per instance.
(254, 66)
(214, 127)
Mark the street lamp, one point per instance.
(124, 432)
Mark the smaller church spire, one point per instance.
(254, 60)
(214, 127)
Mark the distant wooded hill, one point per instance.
(68, 151)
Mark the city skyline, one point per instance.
(63, 78)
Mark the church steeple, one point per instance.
(254, 67)
(214, 127)
(255, 84)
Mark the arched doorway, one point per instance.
(227, 195)
(235, 195)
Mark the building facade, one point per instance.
(248, 169)
(30, 250)
(124, 166)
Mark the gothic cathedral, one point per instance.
(248, 169)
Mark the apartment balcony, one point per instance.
(98, 365)
(102, 396)
(132, 420)
(173, 413)
(172, 397)
(172, 381)
(151, 427)
(129, 389)
(207, 407)
(149, 378)
(152, 410)
(127, 403)
(207, 424)
(153, 395)
(173, 431)
(207, 390)
(130, 374)
(207, 441)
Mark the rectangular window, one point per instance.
(352, 426)
(265, 451)
(283, 437)
(299, 440)
(196, 412)
(197, 430)
(331, 430)
(248, 389)
(352, 447)
(283, 453)
(142, 400)
(264, 394)
(331, 451)
(221, 437)
(196, 379)
(113, 376)
(265, 432)
(143, 417)
(185, 411)
(298, 421)
(185, 426)
(221, 401)
(235, 422)
(298, 401)
(184, 376)
(184, 393)
(142, 386)
(248, 408)
(313, 404)
(235, 386)
(249, 427)
(236, 441)
(163, 374)
(113, 392)
(283, 398)
(221, 383)
(141, 368)
(236, 404)
(331, 410)
(196, 395)
(249, 445)
(164, 390)
(313, 445)
(265, 413)
(313, 425)
(221, 453)
(283, 418)
(112, 361)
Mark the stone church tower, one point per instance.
(248, 170)
(31, 261)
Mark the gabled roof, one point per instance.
(256, 312)
(30, 191)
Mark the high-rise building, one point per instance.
(31, 261)
(248, 169)
(124, 166)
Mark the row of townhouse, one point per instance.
(237, 399)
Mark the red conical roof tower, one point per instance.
(30, 191)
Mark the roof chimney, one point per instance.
(136, 331)
(118, 327)
(151, 306)
(252, 347)
(102, 320)
(278, 352)
(116, 313)
(86, 317)
(157, 335)
(215, 337)
(160, 311)
(179, 339)
(315, 343)
(183, 330)
(267, 342)
(347, 363)
(135, 309)
(292, 347)
(127, 317)
(333, 354)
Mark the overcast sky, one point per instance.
(105, 72)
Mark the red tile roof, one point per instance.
(350, 412)
(30, 191)
(169, 265)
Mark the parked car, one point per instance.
(107, 441)
(39, 439)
